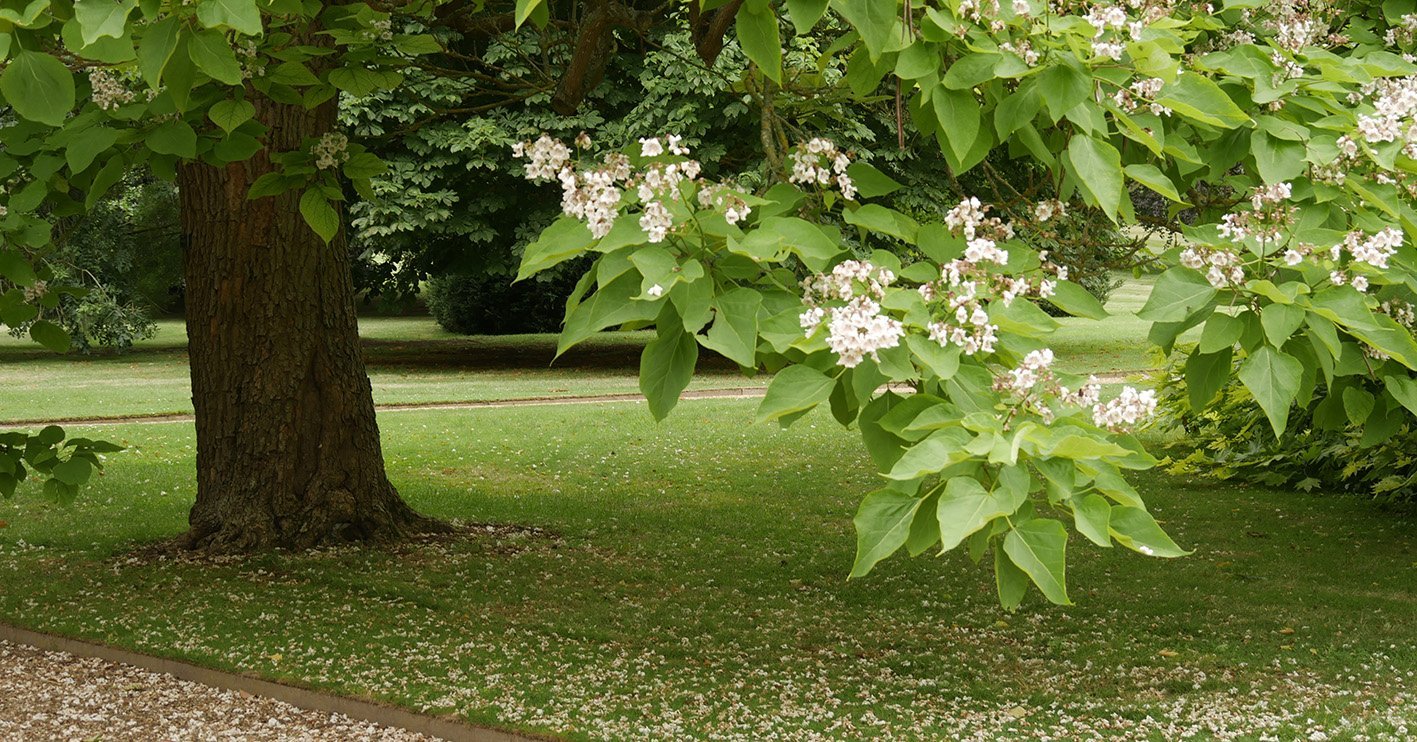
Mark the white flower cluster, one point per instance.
(331, 151)
(654, 146)
(819, 162)
(662, 180)
(1033, 382)
(4, 211)
(1271, 216)
(857, 328)
(545, 157)
(1112, 18)
(1047, 210)
(1125, 411)
(1033, 369)
(1132, 97)
(1294, 30)
(594, 194)
(967, 285)
(1375, 250)
(1334, 172)
(1402, 312)
(1394, 117)
(36, 291)
(1268, 195)
(972, 331)
(982, 232)
(251, 66)
(734, 208)
(1404, 33)
(1288, 68)
(1024, 50)
(381, 30)
(1222, 267)
(109, 92)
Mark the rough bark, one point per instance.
(288, 451)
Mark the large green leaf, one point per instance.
(566, 238)
(794, 389)
(1010, 581)
(611, 305)
(1039, 548)
(1280, 321)
(1135, 529)
(1091, 516)
(1198, 98)
(882, 525)
(100, 18)
(527, 8)
(38, 87)
(1152, 177)
(805, 14)
(1064, 86)
(1273, 378)
(667, 365)
(173, 138)
(756, 25)
(1206, 375)
(1097, 167)
(239, 15)
(156, 48)
(1077, 301)
(958, 115)
(212, 54)
(1277, 159)
(1179, 293)
(734, 333)
(88, 144)
(50, 335)
(360, 81)
(1403, 389)
(320, 214)
(965, 507)
(229, 114)
(875, 20)
(871, 182)
(878, 218)
(75, 471)
(936, 452)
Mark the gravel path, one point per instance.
(57, 696)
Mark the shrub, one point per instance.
(1322, 449)
(490, 304)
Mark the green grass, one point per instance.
(412, 360)
(688, 580)
(1115, 345)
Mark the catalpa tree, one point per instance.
(235, 100)
(1281, 138)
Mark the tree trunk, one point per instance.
(288, 450)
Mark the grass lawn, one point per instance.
(412, 360)
(688, 580)
(428, 365)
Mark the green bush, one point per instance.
(490, 304)
(1322, 449)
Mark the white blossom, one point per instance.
(1125, 411)
(656, 221)
(331, 151)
